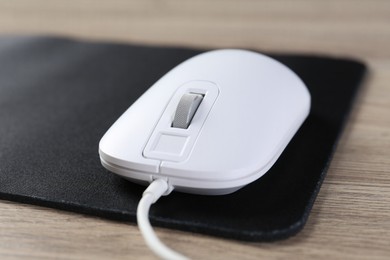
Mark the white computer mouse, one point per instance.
(211, 125)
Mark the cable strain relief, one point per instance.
(157, 188)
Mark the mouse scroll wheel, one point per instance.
(186, 109)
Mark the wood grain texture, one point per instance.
(351, 216)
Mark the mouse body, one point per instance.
(211, 125)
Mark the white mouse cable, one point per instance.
(154, 191)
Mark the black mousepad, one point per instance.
(59, 96)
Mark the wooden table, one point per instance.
(351, 217)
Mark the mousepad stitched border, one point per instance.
(59, 96)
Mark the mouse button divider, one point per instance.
(174, 143)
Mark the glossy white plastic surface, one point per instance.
(252, 107)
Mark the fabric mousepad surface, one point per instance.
(58, 97)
